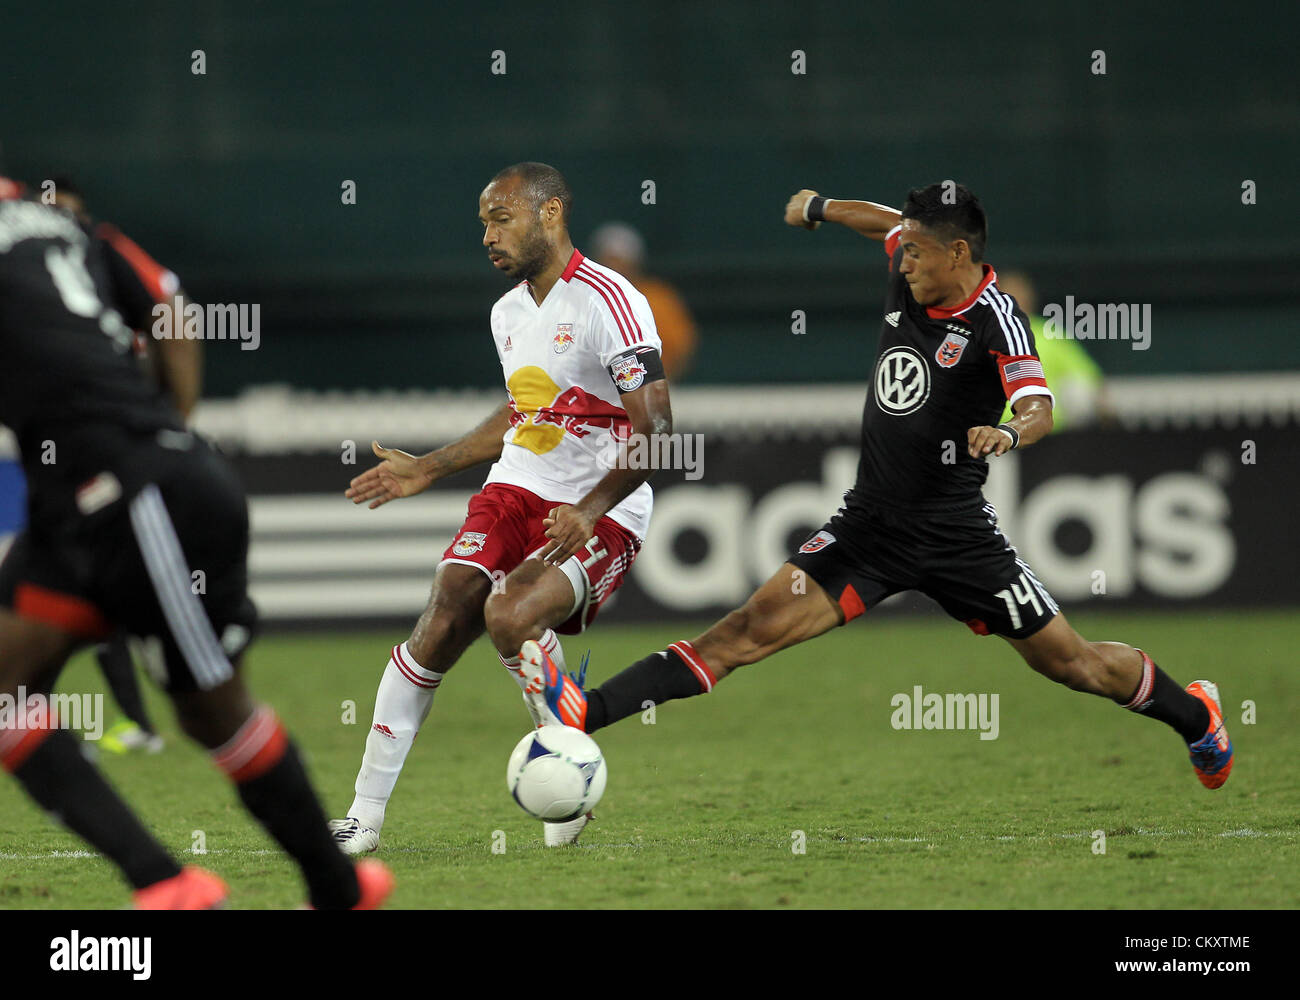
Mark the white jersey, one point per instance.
(557, 360)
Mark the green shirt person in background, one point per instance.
(1075, 379)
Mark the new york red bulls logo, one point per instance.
(949, 352)
(469, 543)
(563, 337)
(628, 373)
(818, 542)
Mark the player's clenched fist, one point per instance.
(983, 441)
(398, 475)
(794, 209)
(569, 529)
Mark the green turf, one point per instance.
(703, 807)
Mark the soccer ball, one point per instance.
(556, 773)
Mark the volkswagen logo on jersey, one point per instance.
(469, 543)
(563, 337)
(949, 352)
(902, 381)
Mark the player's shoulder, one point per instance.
(602, 286)
(997, 315)
(511, 297)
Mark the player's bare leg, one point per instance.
(47, 762)
(527, 604)
(1131, 678)
(451, 621)
(788, 609)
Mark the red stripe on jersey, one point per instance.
(1018, 371)
(574, 262)
(152, 274)
(618, 304)
(990, 276)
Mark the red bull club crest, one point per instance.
(563, 337)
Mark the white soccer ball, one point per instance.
(556, 773)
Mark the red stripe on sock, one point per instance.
(17, 745)
(692, 659)
(258, 746)
(411, 675)
(1145, 685)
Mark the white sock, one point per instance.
(401, 705)
(550, 643)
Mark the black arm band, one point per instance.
(1015, 435)
(633, 369)
(817, 208)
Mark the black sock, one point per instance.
(64, 783)
(1161, 697)
(115, 661)
(660, 677)
(283, 801)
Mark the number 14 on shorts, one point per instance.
(1020, 592)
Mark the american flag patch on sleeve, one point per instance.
(1023, 370)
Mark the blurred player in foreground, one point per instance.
(123, 506)
(560, 518)
(953, 348)
(137, 285)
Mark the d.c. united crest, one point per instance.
(949, 352)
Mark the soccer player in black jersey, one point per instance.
(953, 350)
(123, 506)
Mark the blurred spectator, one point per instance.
(1075, 379)
(619, 246)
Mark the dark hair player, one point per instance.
(954, 349)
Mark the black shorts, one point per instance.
(166, 562)
(960, 559)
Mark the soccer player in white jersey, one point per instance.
(559, 520)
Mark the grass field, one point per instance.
(705, 806)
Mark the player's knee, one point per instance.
(439, 637)
(508, 623)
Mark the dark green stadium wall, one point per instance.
(1122, 187)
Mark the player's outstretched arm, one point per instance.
(864, 217)
(1032, 422)
(403, 475)
(571, 526)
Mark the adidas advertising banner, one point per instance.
(1150, 518)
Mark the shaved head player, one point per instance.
(557, 523)
(954, 349)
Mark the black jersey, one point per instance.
(67, 371)
(938, 373)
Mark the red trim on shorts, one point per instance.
(851, 603)
(977, 626)
(72, 614)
